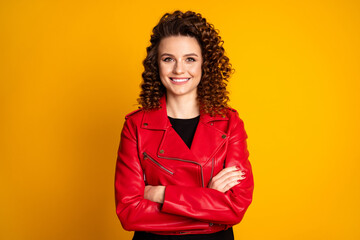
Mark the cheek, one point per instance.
(161, 69)
(195, 70)
(164, 69)
(163, 73)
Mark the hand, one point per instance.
(226, 179)
(154, 193)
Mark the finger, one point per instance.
(235, 175)
(225, 171)
(231, 185)
(229, 181)
(225, 179)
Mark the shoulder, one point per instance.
(134, 114)
(232, 113)
(233, 116)
(132, 120)
(236, 125)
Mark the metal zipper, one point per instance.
(178, 159)
(146, 156)
(212, 168)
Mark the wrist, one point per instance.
(160, 194)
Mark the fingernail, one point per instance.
(237, 167)
(239, 180)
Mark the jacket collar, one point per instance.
(206, 142)
(158, 119)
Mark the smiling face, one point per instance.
(179, 61)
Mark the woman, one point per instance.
(182, 169)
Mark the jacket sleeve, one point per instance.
(210, 205)
(135, 212)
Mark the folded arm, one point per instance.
(206, 204)
(134, 211)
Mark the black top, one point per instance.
(185, 128)
(227, 234)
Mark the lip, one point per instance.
(178, 80)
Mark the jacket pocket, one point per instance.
(158, 164)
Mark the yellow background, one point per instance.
(70, 71)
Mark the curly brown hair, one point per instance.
(216, 68)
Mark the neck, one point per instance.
(182, 106)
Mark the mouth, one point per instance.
(179, 80)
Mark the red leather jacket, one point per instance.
(151, 152)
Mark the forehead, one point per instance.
(179, 45)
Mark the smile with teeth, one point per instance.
(179, 79)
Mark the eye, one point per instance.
(167, 59)
(190, 59)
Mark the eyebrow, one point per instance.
(189, 54)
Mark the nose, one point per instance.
(178, 68)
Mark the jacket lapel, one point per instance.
(207, 139)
